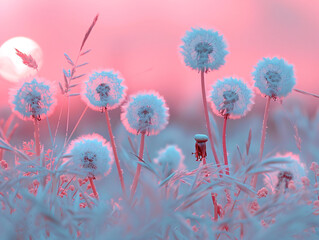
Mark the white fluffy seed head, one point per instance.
(145, 112)
(91, 155)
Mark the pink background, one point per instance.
(141, 39)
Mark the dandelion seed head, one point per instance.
(274, 77)
(281, 178)
(203, 49)
(103, 89)
(170, 158)
(145, 112)
(33, 99)
(231, 97)
(91, 155)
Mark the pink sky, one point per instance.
(141, 39)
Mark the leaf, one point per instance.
(66, 83)
(81, 65)
(27, 59)
(73, 85)
(61, 88)
(248, 142)
(297, 138)
(72, 73)
(66, 73)
(74, 94)
(167, 179)
(276, 161)
(244, 188)
(89, 31)
(68, 59)
(200, 197)
(6, 148)
(79, 76)
(148, 167)
(87, 51)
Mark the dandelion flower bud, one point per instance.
(91, 156)
(103, 90)
(203, 49)
(145, 113)
(274, 77)
(34, 99)
(200, 146)
(231, 97)
(170, 158)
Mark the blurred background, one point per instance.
(141, 39)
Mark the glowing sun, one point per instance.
(11, 65)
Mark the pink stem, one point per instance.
(117, 161)
(37, 137)
(93, 188)
(37, 145)
(204, 161)
(263, 137)
(210, 136)
(224, 144)
(215, 207)
(138, 169)
(316, 181)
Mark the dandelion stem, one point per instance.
(37, 144)
(224, 144)
(138, 169)
(37, 137)
(263, 137)
(117, 161)
(93, 188)
(207, 117)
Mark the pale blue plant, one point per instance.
(103, 90)
(145, 112)
(91, 156)
(291, 170)
(274, 77)
(231, 97)
(203, 49)
(34, 99)
(170, 158)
